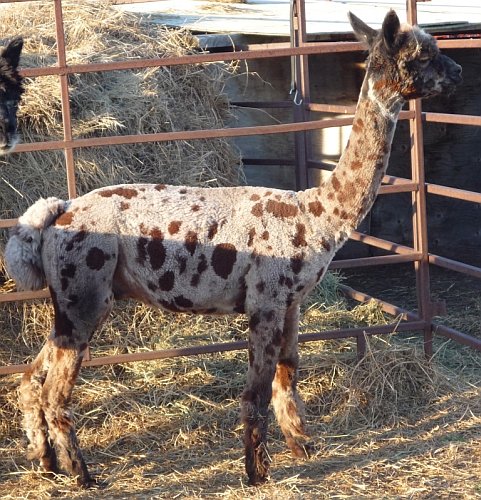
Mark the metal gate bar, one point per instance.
(232, 346)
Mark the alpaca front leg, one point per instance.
(264, 345)
(287, 404)
(56, 396)
(33, 421)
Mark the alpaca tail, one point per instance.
(23, 253)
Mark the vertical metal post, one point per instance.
(300, 91)
(66, 116)
(420, 231)
(361, 346)
(65, 99)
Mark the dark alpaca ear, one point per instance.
(363, 32)
(11, 53)
(390, 30)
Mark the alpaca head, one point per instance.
(10, 92)
(404, 61)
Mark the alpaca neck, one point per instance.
(344, 199)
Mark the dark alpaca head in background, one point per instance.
(11, 90)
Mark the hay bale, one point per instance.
(111, 103)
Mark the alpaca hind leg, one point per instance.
(75, 323)
(264, 345)
(33, 421)
(82, 298)
(287, 404)
(56, 396)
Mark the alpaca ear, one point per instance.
(11, 53)
(363, 32)
(390, 30)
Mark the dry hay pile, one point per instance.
(113, 103)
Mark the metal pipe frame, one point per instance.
(419, 189)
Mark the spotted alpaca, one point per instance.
(245, 250)
(11, 90)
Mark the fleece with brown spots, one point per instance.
(245, 250)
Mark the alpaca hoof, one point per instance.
(300, 450)
(49, 466)
(86, 482)
(258, 470)
(48, 463)
(49, 474)
(258, 480)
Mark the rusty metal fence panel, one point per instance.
(418, 254)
